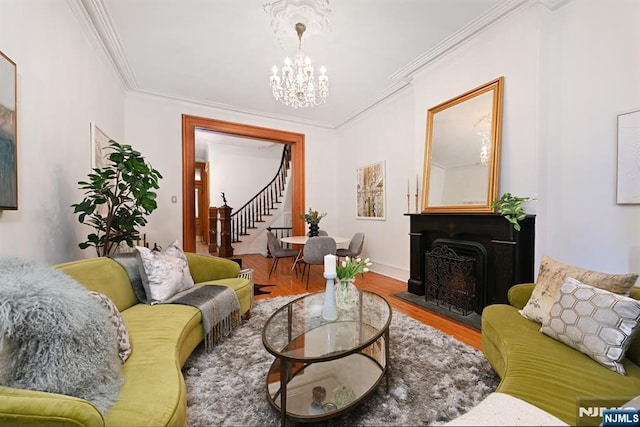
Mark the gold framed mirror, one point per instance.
(462, 152)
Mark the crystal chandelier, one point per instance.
(297, 86)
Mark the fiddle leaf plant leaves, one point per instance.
(117, 199)
(510, 207)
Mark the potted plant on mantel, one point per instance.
(510, 207)
(313, 219)
(117, 199)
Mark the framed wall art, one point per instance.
(8, 134)
(370, 192)
(99, 141)
(628, 182)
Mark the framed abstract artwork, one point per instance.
(370, 191)
(628, 180)
(99, 141)
(8, 134)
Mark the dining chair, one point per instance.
(355, 247)
(278, 252)
(314, 251)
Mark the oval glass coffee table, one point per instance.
(325, 368)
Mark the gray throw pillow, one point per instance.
(165, 273)
(596, 322)
(130, 262)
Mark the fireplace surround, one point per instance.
(503, 256)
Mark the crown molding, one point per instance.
(493, 15)
(234, 108)
(89, 29)
(554, 4)
(96, 19)
(374, 101)
(94, 16)
(95, 11)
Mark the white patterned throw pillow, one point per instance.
(165, 273)
(551, 276)
(596, 322)
(124, 344)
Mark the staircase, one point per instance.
(260, 207)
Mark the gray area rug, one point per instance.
(434, 378)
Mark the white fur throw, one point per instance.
(54, 336)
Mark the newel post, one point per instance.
(225, 250)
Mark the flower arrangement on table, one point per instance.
(346, 271)
(350, 267)
(312, 217)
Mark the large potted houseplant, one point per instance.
(117, 199)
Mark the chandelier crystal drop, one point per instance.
(297, 86)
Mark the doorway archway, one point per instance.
(189, 126)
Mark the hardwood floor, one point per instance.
(286, 283)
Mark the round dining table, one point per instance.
(301, 240)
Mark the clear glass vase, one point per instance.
(346, 293)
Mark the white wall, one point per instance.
(594, 75)
(385, 133)
(63, 84)
(224, 161)
(154, 126)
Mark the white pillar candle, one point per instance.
(330, 264)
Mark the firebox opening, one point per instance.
(455, 275)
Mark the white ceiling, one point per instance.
(220, 52)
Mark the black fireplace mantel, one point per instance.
(509, 252)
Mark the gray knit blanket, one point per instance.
(218, 304)
(220, 309)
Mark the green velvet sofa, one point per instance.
(547, 373)
(162, 338)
